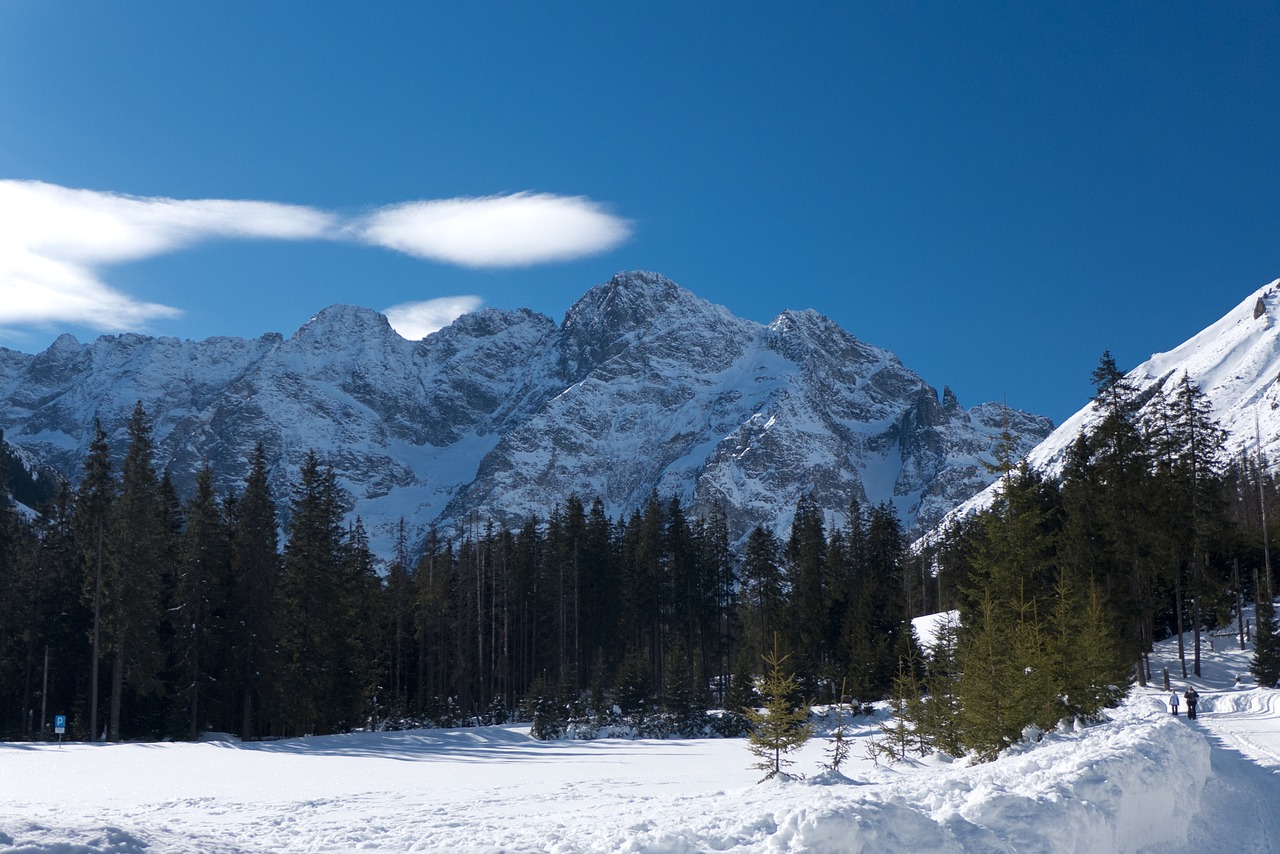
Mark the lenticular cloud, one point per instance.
(516, 230)
(55, 241)
(417, 320)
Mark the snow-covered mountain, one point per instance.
(643, 387)
(1235, 362)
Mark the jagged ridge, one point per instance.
(643, 387)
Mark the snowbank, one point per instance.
(1121, 786)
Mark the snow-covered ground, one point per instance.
(1144, 781)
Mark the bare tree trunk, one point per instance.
(117, 689)
(195, 691)
(1177, 609)
(1195, 615)
(1235, 574)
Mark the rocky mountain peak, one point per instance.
(644, 387)
(339, 322)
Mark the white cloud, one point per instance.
(54, 240)
(495, 231)
(416, 320)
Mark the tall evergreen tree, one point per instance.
(255, 571)
(94, 501)
(132, 583)
(763, 595)
(810, 600)
(1265, 665)
(309, 616)
(200, 609)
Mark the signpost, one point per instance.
(59, 725)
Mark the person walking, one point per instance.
(1191, 698)
(1173, 702)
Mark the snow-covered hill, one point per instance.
(644, 387)
(1236, 363)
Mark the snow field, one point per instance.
(1120, 786)
(1143, 781)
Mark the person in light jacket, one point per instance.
(1173, 702)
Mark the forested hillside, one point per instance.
(166, 616)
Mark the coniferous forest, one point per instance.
(139, 613)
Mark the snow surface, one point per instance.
(1143, 781)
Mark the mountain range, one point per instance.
(643, 388)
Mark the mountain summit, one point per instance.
(643, 388)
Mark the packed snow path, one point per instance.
(1142, 782)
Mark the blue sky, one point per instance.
(995, 191)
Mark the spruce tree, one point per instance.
(132, 584)
(94, 500)
(1265, 665)
(806, 557)
(762, 598)
(199, 613)
(311, 606)
(782, 726)
(255, 572)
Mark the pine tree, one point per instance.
(399, 611)
(806, 557)
(201, 594)
(132, 583)
(782, 726)
(311, 616)
(682, 702)
(876, 614)
(763, 595)
(94, 500)
(1266, 645)
(939, 718)
(986, 685)
(255, 572)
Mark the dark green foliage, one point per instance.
(33, 488)
(782, 726)
(319, 685)
(1266, 645)
(132, 595)
(199, 613)
(201, 621)
(253, 587)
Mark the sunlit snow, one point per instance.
(1144, 781)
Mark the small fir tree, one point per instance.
(838, 749)
(782, 726)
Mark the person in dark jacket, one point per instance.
(1191, 697)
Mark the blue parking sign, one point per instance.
(59, 724)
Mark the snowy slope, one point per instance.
(1236, 363)
(1145, 781)
(503, 414)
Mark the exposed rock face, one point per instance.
(643, 387)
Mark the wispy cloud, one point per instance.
(55, 243)
(516, 230)
(415, 320)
